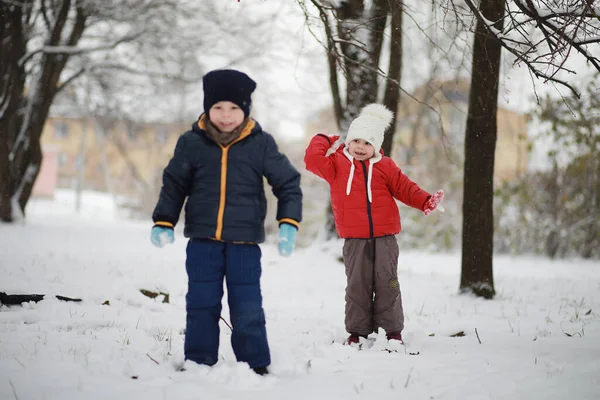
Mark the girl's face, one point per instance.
(361, 149)
(226, 116)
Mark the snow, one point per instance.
(539, 337)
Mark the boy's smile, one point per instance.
(226, 116)
(361, 149)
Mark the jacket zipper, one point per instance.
(223, 184)
(368, 202)
(223, 192)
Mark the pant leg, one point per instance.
(205, 265)
(358, 260)
(242, 274)
(389, 314)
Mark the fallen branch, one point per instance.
(17, 299)
(153, 294)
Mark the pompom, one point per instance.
(370, 125)
(378, 111)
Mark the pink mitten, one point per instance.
(434, 201)
(333, 139)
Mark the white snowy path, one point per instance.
(540, 337)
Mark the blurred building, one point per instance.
(121, 157)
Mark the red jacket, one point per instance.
(355, 216)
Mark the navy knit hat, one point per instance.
(228, 85)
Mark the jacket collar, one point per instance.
(251, 127)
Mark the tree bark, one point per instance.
(22, 122)
(391, 97)
(12, 86)
(480, 144)
(359, 69)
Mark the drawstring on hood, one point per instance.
(376, 158)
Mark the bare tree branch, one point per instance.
(560, 30)
(332, 57)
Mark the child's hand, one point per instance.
(161, 235)
(286, 239)
(433, 202)
(333, 138)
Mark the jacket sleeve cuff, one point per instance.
(289, 221)
(164, 224)
(425, 202)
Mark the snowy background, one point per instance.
(539, 338)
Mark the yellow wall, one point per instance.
(149, 151)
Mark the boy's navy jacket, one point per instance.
(224, 185)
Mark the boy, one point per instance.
(218, 166)
(364, 184)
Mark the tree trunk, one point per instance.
(391, 96)
(480, 143)
(592, 233)
(553, 238)
(359, 69)
(26, 152)
(5, 178)
(12, 86)
(23, 113)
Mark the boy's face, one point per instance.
(226, 116)
(361, 149)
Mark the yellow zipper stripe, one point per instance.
(222, 196)
(223, 193)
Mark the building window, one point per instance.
(132, 134)
(61, 130)
(161, 136)
(62, 159)
(78, 162)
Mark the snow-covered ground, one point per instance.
(539, 339)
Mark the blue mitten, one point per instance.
(161, 235)
(286, 239)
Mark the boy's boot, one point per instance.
(261, 371)
(395, 336)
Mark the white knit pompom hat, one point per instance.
(370, 125)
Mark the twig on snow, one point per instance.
(477, 334)
(13, 389)
(20, 363)
(226, 323)
(157, 363)
(408, 377)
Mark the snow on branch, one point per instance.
(79, 50)
(564, 30)
(74, 50)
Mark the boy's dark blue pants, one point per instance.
(207, 263)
